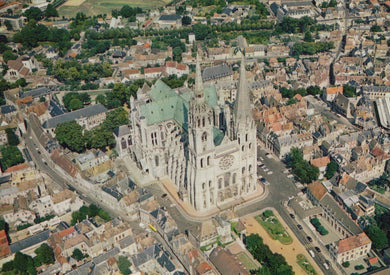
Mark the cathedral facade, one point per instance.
(207, 148)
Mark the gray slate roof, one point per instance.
(104, 257)
(169, 17)
(30, 241)
(148, 254)
(216, 72)
(126, 242)
(122, 130)
(6, 109)
(85, 112)
(36, 92)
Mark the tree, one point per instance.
(304, 171)
(75, 104)
(11, 156)
(308, 37)
(51, 11)
(186, 20)
(375, 28)
(101, 99)
(314, 90)
(377, 236)
(45, 255)
(8, 25)
(12, 138)
(24, 263)
(346, 264)
(77, 254)
(349, 91)
(70, 134)
(124, 264)
(9, 55)
(331, 169)
(33, 13)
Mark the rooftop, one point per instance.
(352, 242)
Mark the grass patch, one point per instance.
(378, 189)
(247, 261)
(274, 228)
(305, 265)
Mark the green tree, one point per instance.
(186, 20)
(8, 25)
(45, 255)
(77, 254)
(75, 104)
(349, 91)
(101, 99)
(51, 11)
(331, 169)
(12, 138)
(377, 236)
(33, 13)
(303, 170)
(314, 90)
(24, 264)
(308, 37)
(375, 28)
(11, 156)
(124, 265)
(70, 134)
(9, 55)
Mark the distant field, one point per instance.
(95, 7)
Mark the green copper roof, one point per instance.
(167, 104)
(161, 91)
(218, 136)
(211, 95)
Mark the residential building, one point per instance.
(350, 248)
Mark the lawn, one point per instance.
(95, 7)
(305, 265)
(247, 261)
(274, 228)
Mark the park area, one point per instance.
(290, 251)
(95, 7)
(274, 228)
(305, 265)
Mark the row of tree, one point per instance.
(271, 263)
(90, 211)
(302, 169)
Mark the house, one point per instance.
(342, 105)
(321, 163)
(87, 117)
(66, 201)
(8, 111)
(350, 248)
(91, 159)
(20, 68)
(155, 72)
(331, 93)
(219, 72)
(226, 263)
(331, 211)
(17, 21)
(169, 21)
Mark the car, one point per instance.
(286, 171)
(259, 163)
(270, 173)
(265, 169)
(317, 249)
(309, 239)
(262, 179)
(326, 266)
(299, 226)
(163, 196)
(292, 215)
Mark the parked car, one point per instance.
(292, 215)
(299, 227)
(309, 239)
(317, 249)
(163, 196)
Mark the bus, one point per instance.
(152, 227)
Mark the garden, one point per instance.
(305, 265)
(273, 227)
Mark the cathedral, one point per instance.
(207, 148)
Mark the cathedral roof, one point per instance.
(167, 104)
(218, 136)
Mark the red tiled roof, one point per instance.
(4, 245)
(335, 90)
(171, 64)
(153, 70)
(181, 67)
(66, 232)
(203, 268)
(17, 168)
(353, 242)
(320, 162)
(317, 189)
(372, 260)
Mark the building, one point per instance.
(351, 248)
(16, 21)
(219, 72)
(169, 21)
(331, 93)
(87, 117)
(206, 149)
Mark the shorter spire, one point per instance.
(198, 79)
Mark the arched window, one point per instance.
(201, 163)
(198, 122)
(203, 122)
(234, 178)
(250, 168)
(204, 136)
(203, 186)
(246, 137)
(243, 170)
(156, 160)
(243, 148)
(219, 183)
(250, 146)
(208, 160)
(209, 183)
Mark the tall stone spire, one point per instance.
(242, 106)
(198, 79)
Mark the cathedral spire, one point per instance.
(198, 79)
(242, 110)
